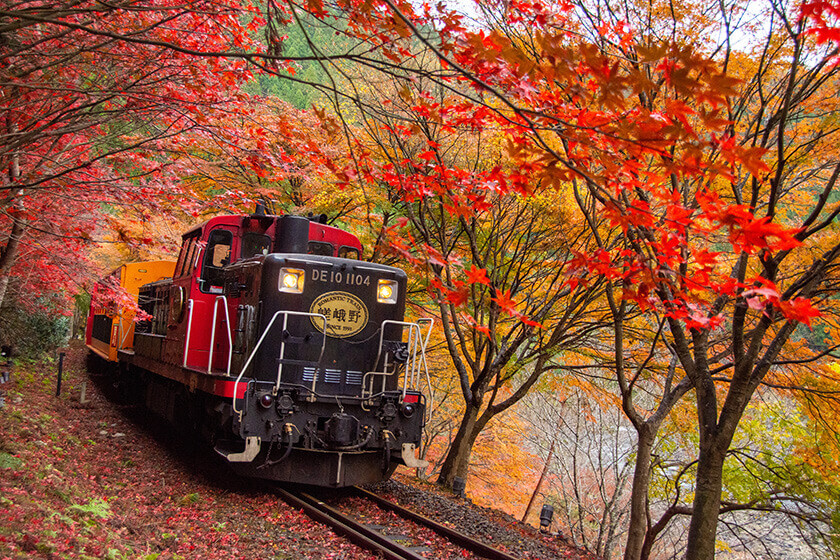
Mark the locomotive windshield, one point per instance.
(320, 248)
(346, 252)
(254, 244)
(187, 257)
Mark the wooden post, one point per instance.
(60, 369)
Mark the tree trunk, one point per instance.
(639, 494)
(8, 254)
(702, 530)
(544, 472)
(457, 461)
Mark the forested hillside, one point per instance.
(623, 219)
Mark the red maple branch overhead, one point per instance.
(95, 107)
(574, 114)
(823, 20)
(109, 298)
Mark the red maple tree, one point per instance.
(91, 97)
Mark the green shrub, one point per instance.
(33, 333)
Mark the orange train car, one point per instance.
(111, 329)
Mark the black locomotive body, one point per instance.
(296, 362)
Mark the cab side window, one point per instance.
(186, 259)
(216, 257)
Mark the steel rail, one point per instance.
(347, 527)
(448, 533)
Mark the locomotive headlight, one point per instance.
(291, 280)
(386, 292)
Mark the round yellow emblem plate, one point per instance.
(346, 314)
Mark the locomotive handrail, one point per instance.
(412, 344)
(122, 336)
(213, 335)
(423, 342)
(282, 348)
(384, 373)
(189, 329)
(424, 345)
(283, 345)
(412, 371)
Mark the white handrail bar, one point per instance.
(416, 364)
(223, 299)
(189, 329)
(259, 343)
(416, 342)
(425, 344)
(123, 333)
(412, 370)
(411, 344)
(283, 345)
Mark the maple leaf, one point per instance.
(697, 319)
(706, 258)
(800, 310)
(477, 276)
(505, 302)
(456, 296)
(470, 320)
(763, 234)
(508, 305)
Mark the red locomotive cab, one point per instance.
(197, 281)
(200, 316)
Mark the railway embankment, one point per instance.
(89, 478)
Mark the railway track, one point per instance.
(372, 537)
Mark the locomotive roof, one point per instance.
(242, 219)
(239, 219)
(349, 264)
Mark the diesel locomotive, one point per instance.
(272, 340)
